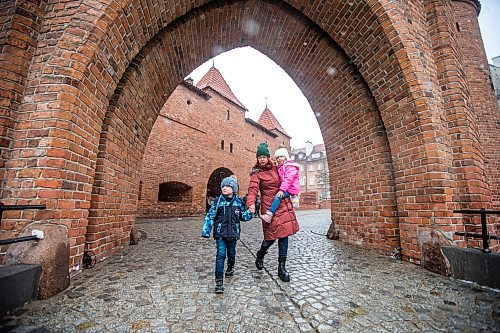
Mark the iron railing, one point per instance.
(484, 230)
(35, 235)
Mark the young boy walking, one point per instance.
(224, 215)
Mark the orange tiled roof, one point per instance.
(269, 121)
(213, 79)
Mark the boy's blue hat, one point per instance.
(230, 181)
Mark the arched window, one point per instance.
(175, 192)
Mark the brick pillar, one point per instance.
(481, 89)
(483, 102)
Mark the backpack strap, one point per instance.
(217, 205)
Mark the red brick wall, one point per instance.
(308, 200)
(185, 146)
(373, 72)
(20, 24)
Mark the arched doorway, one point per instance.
(213, 183)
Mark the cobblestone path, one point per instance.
(165, 284)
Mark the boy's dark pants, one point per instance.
(225, 247)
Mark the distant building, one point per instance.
(495, 77)
(314, 178)
(200, 137)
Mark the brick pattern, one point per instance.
(308, 200)
(372, 70)
(20, 24)
(450, 91)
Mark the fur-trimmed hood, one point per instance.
(258, 168)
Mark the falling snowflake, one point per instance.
(250, 27)
(216, 50)
(331, 71)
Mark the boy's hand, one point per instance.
(252, 209)
(280, 194)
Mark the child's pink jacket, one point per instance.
(289, 176)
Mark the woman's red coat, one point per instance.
(266, 180)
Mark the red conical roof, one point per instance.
(213, 79)
(269, 121)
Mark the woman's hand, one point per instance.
(252, 209)
(280, 194)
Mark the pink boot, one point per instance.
(267, 217)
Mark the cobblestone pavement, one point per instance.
(165, 284)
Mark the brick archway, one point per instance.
(96, 87)
(372, 222)
(213, 182)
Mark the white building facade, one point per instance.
(495, 77)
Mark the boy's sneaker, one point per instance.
(267, 217)
(219, 286)
(295, 200)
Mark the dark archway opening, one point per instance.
(175, 192)
(213, 184)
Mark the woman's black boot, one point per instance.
(259, 261)
(282, 273)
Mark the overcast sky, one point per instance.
(489, 22)
(252, 77)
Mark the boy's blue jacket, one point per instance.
(224, 216)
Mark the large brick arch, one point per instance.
(86, 87)
(365, 210)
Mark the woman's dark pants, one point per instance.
(282, 246)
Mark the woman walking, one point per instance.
(264, 178)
